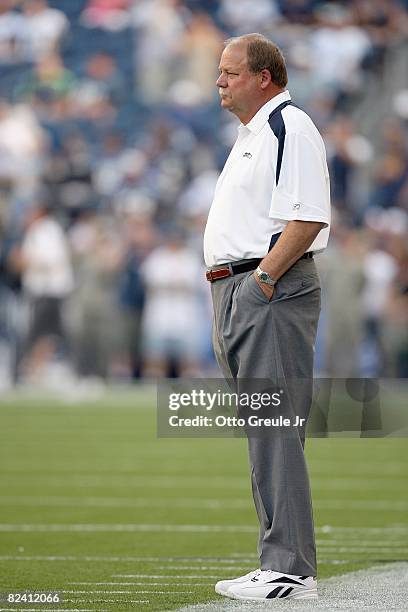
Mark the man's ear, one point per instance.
(265, 78)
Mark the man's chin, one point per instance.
(225, 103)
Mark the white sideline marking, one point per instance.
(207, 504)
(382, 588)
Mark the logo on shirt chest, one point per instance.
(247, 154)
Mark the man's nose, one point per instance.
(221, 81)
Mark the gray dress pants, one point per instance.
(255, 339)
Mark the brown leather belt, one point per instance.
(238, 267)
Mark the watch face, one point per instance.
(263, 276)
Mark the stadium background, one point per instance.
(110, 124)
(109, 117)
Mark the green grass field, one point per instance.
(96, 507)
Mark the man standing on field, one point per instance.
(270, 214)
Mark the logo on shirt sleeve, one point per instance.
(247, 154)
(296, 206)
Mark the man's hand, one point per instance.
(267, 290)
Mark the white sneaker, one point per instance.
(268, 584)
(223, 585)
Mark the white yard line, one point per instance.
(133, 592)
(152, 481)
(129, 527)
(72, 592)
(145, 584)
(114, 559)
(154, 592)
(105, 601)
(156, 576)
(188, 503)
(223, 564)
(381, 588)
(397, 529)
(171, 528)
(243, 564)
(364, 549)
(123, 502)
(366, 543)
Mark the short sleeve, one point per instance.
(302, 191)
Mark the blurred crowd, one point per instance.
(111, 141)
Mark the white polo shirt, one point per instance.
(276, 172)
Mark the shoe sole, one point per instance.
(310, 594)
(221, 591)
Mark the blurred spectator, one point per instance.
(102, 79)
(159, 25)
(173, 276)
(47, 280)
(346, 152)
(391, 170)
(200, 47)
(380, 270)
(343, 279)
(385, 21)
(96, 324)
(45, 28)
(338, 48)
(11, 309)
(108, 170)
(111, 15)
(123, 126)
(68, 175)
(140, 238)
(243, 16)
(13, 34)
(297, 11)
(47, 88)
(395, 331)
(22, 145)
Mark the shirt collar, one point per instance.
(258, 121)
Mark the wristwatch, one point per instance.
(265, 278)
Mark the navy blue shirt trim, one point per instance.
(277, 126)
